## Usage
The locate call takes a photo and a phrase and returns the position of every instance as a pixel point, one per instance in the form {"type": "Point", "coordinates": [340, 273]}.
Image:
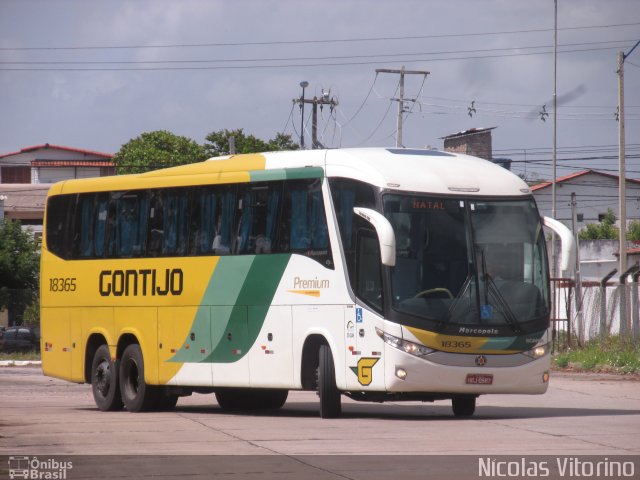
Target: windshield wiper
{"type": "Point", "coordinates": [508, 314]}
{"type": "Point", "coordinates": [491, 289]}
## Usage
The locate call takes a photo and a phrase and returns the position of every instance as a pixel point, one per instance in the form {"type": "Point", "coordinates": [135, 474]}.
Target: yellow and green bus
{"type": "Point", "coordinates": [379, 274]}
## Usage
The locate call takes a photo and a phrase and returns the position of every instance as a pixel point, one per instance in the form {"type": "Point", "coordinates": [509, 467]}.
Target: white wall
{"type": "Point", "coordinates": [594, 195]}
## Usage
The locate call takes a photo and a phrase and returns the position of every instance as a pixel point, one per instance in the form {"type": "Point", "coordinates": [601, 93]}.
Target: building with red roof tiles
{"type": "Point", "coordinates": [595, 191]}
{"type": "Point", "coordinates": [27, 174]}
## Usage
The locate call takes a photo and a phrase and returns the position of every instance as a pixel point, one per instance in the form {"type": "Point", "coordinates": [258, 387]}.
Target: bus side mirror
{"type": "Point", "coordinates": [385, 232]}
{"type": "Point", "coordinates": [568, 247]}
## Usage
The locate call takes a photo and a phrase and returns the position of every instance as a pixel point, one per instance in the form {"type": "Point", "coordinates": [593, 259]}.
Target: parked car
{"type": "Point", "coordinates": [21, 339]}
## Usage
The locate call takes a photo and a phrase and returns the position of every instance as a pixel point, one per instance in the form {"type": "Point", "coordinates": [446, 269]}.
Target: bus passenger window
{"type": "Point", "coordinates": [84, 226]}
{"type": "Point", "coordinates": [100, 227]}
{"type": "Point", "coordinates": [259, 218]}
{"type": "Point", "coordinates": [304, 225]}
{"type": "Point", "coordinates": [223, 241]}
{"type": "Point", "coordinates": [174, 226]}
{"type": "Point", "coordinates": [58, 215]}
{"type": "Point", "coordinates": [204, 204]}
{"type": "Point", "coordinates": [156, 227]}
{"type": "Point", "coordinates": [128, 224]}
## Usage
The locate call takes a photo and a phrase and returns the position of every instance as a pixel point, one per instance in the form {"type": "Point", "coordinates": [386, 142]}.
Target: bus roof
{"type": "Point", "coordinates": [403, 169]}
{"type": "Point", "coordinates": [409, 170]}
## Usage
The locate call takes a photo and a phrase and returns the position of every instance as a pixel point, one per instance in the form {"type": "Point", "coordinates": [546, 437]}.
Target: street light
{"type": "Point", "coordinates": [304, 84]}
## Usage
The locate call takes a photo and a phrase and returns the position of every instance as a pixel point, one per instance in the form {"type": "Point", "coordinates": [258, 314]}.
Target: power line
{"type": "Point", "coordinates": [289, 59]}
{"type": "Point", "coordinates": [296, 65]}
{"type": "Point", "coordinates": [298, 42]}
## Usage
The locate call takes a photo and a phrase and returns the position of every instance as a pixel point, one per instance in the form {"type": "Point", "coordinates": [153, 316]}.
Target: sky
{"type": "Point", "coordinates": [96, 74]}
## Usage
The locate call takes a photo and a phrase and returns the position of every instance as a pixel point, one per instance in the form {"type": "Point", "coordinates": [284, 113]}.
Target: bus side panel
{"type": "Point", "coordinates": [85, 322]}
{"type": "Point", "coordinates": [56, 342]}
{"type": "Point", "coordinates": [271, 356]}
{"type": "Point", "coordinates": [142, 322]}
{"type": "Point", "coordinates": [184, 344]}
{"type": "Point", "coordinates": [229, 334]}
{"type": "Point", "coordinates": [324, 320]}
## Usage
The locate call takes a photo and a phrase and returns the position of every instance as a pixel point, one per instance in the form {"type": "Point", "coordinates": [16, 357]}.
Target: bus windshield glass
{"type": "Point", "coordinates": [468, 262]}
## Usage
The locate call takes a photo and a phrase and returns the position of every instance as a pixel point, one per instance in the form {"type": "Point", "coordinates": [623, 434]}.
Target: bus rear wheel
{"type": "Point", "coordinates": [463, 406]}
{"type": "Point", "coordinates": [104, 381]}
{"type": "Point", "coordinates": [137, 396]}
{"type": "Point", "coordinates": [330, 404]}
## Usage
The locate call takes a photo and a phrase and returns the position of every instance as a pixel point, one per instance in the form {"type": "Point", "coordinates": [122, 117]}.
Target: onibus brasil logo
{"type": "Point", "coordinates": [40, 469]}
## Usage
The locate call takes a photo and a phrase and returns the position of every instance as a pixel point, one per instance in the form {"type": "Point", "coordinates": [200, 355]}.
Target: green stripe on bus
{"type": "Point", "coordinates": [286, 174]}
{"type": "Point", "coordinates": [248, 315]}
{"type": "Point", "coordinates": [234, 307]}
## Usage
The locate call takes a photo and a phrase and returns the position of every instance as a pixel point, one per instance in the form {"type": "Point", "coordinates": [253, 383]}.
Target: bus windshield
{"type": "Point", "coordinates": [468, 262]}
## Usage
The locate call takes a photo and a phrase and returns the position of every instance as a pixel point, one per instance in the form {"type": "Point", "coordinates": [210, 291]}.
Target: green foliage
{"type": "Point", "coordinates": [158, 149]}
{"type": "Point", "coordinates": [31, 316]}
{"type": "Point", "coordinates": [20, 356]}
{"type": "Point", "coordinates": [19, 266]}
{"type": "Point", "coordinates": [605, 230]}
{"type": "Point", "coordinates": [611, 354]}
{"type": "Point", "coordinates": [633, 231]}
{"type": "Point", "coordinates": [218, 143]}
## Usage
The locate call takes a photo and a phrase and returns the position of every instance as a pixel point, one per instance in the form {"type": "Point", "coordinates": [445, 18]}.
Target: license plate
{"type": "Point", "coordinates": [479, 379]}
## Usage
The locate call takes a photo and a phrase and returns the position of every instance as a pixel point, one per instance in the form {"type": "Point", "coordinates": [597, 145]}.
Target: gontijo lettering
{"type": "Point", "coordinates": [145, 282]}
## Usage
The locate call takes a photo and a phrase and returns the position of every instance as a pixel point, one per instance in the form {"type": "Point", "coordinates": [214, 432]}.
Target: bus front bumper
{"type": "Point", "coordinates": [408, 373]}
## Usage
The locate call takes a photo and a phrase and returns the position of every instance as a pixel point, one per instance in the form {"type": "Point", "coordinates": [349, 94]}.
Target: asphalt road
{"type": "Point", "coordinates": [580, 415]}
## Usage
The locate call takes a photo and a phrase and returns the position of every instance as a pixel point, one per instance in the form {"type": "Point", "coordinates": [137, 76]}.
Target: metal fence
{"type": "Point", "coordinates": [595, 309]}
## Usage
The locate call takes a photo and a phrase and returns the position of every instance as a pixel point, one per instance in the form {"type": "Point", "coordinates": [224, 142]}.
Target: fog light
{"type": "Point", "coordinates": [401, 373]}
{"type": "Point", "coordinates": [545, 377]}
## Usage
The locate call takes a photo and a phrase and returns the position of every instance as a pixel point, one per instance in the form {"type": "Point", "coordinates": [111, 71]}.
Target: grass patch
{"type": "Point", "coordinates": [32, 355]}
{"type": "Point", "coordinates": [611, 354]}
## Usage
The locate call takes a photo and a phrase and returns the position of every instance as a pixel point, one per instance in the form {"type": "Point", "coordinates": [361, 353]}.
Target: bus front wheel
{"type": "Point", "coordinates": [104, 381]}
{"type": "Point", "coordinates": [330, 406]}
{"type": "Point", "coordinates": [137, 396]}
{"type": "Point", "coordinates": [463, 406]}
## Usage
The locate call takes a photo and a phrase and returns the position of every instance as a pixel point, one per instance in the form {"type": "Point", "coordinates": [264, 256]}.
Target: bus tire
{"type": "Point", "coordinates": [330, 405]}
{"type": "Point", "coordinates": [104, 381]}
{"type": "Point", "coordinates": [463, 406]}
{"type": "Point", "coordinates": [274, 399]}
{"type": "Point", "coordinates": [137, 396]}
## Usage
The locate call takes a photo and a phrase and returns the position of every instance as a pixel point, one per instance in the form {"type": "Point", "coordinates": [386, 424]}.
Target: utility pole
{"type": "Point", "coordinates": [622, 189]}
{"type": "Point", "coordinates": [622, 181]}
{"type": "Point", "coordinates": [554, 201]}
{"type": "Point", "coordinates": [578, 290]}
{"type": "Point", "coordinates": [315, 101]}
{"type": "Point", "coordinates": [402, 72]}
{"type": "Point", "coordinates": [304, 84]}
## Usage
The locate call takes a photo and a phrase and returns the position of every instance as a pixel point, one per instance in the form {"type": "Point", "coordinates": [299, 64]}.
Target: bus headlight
{"type": "Point", "coordinates": [404, 345]}
{"type": "Point", "coordinates": [537, 352]}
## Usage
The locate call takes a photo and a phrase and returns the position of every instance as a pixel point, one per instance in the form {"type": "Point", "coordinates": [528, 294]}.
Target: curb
{"type": "Point", "coordinates": [19, 363]}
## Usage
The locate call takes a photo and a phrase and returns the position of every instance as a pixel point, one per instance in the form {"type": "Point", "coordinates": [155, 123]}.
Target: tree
{"type": "Point", "coordinates": [19, 269]}
{"type": "Point", "coordinates": [605, 230]}
{"type": "Point", "coordinates": [218, 143]}
{"type": "Point", "coordinates": [633, 231]}
{"type": "Point", "coordinates": [158, 149]}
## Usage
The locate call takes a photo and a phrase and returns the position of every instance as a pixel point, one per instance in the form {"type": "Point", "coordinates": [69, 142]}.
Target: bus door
{"type": "Point", "coordinates": [363, 344]}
